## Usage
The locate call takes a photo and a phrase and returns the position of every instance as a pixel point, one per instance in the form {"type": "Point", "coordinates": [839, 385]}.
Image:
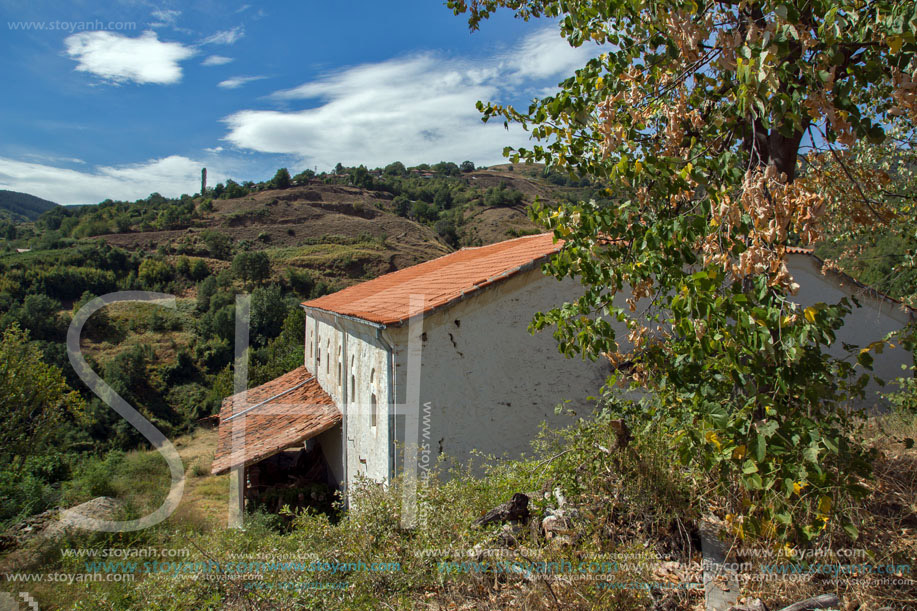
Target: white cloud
{"type": "Point", "coordinates": [215, 149]}
{"type": "Point", "coordinates": [225, 37]}
{"type": "Point", "coordinates": [216, 60]}
{"type": "Point", "coordinates": [544, 54]}
{"type": "Point", "coordinates": [164, 17]}
{"type": "Point", "coordinates": [237, 81]}
{"type": "Point", "coordinates": [415, 109]}
{"type": "Point", "coordinates": [120, 59]}
{"type": "Point", "coordinates": [171, 176]}
{"type": "Point", "coordinates": [53, 158]}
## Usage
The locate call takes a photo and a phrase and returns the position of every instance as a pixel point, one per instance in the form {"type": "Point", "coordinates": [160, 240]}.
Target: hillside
{"type": "Point", "coordinates": [342, 228]}
{"type": "Point", "coordinates": [22, 206]}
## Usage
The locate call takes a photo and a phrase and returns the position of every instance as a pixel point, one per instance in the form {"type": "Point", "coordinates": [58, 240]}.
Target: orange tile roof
{"type": "Point", "coordinates": [279, 423]}
{"type": "Point", "coordinates": [443, 281]}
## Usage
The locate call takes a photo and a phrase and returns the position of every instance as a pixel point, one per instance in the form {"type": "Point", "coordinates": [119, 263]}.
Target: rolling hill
{"type": "Point", "coordinates": [22, 206]}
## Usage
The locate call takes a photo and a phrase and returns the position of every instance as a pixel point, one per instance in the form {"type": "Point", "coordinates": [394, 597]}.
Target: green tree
{"type": "Point", "coordinates": [269, 309]}
{"type": "Point", "coordinates": [218, 244]}
{"type": "Point", "coordinates": [281, 179]}
{"type": "Point", "coordinates": [697, 114]}
{"type": "Point", "coordinates": [199, 270]}
{"type": "Point", "coordinates": [424, 212]}
{"type": "Point", "coordinates": [251, 266]}
{"type": "Point", "coordinates": [39, 315]}
{"type": "Point", "coordinates": [154, 273]}
{"type": "Point", "coordinates": [402, 205]}
{"type": "Point", "coordinates": [467, 166]}
{"type": "Point", "coordinates": [34, 400]}
{"type": "Point", "coordinates": [395, 168]}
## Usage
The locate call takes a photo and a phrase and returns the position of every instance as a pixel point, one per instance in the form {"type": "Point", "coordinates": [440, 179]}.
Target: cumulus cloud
{"type": "Point", "coordinates": [225, 37]}
{"type": "Point", "coordinates": [171, 176]}
{"type": "Point", "coordinates": [216, 60]}
{"type": "Point", "coordinates": [237, 81]}
{"type": "Point", "coordinates": [120, 59]}
{"type": "Point", "coordinates": [414, 109]}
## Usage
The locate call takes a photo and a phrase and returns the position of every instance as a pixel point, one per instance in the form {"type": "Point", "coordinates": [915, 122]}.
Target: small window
{"type": "Point", "coordinates": [372, 400]}
{"type": "Point", "coordinates": [340, 369]}
{"type": "Point", "coordinates": [328, 356]}
{"type": "Point", "coordinates": [353, 380]}
{"type": "Point", "coordinates": [318, 356]}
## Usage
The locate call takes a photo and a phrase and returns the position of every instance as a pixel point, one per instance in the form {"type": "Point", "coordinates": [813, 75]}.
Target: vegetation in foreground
{"type": "Point", "coordinates": [602, 515]}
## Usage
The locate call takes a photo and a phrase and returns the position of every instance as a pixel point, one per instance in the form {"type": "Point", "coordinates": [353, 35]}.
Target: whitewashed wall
{"type": "Point", "coordinates": [488, 382]}
{"type": "Point", "coordinates": [351, 364]}
{"type": "Point", "coordinates": [875, 317]}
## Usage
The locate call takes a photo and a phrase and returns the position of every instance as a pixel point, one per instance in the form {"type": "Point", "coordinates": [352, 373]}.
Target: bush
{"type": "Point", "coordinates": [183, 267]}
{"type": "Point", "coordinates": [95, 477]}
{"type": "Point", "coordinates": [268, 311]}
{"type": "Point", "coordinates": [251, 266]}
{"type": "Point", "coordinates": [300, 281]}
{"type": "Point", "coordinates": [154, 274]}
{"type": "Point", "coordinates": [199, 270]}
{"type": "Point", "coordinates": [219, 245]}
{"type": "Point", "coordinates": [424, 212]}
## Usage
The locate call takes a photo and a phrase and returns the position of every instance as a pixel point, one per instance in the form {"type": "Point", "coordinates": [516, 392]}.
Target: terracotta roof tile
{"type": "Point", "coordinates": [279, 423]}
{"type": "Point", "coordinates": [386, 299]}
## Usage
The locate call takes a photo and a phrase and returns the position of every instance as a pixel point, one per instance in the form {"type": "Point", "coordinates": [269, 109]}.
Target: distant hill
{"type": "Point", "coordinates": [22, 206]}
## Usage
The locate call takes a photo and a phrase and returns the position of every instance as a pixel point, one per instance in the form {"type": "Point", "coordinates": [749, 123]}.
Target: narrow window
{"type": "Point", "coordinates": [340, 369]}
{"type": "Point", "coordinates": [328, 357]}
{"type": "Point", "coordinates": [353, 381]}
{"type": "Point", "coordinates": [372, 400]}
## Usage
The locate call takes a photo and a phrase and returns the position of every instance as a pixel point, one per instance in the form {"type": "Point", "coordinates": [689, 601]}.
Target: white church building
{"type": "Point", "coordinates": [439, 354]}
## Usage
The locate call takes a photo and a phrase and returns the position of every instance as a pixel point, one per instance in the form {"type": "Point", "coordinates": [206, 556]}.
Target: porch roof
{"type": "Point", "coordinates": [272, 417]}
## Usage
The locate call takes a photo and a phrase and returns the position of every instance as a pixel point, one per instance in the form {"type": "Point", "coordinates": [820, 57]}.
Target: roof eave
{"type": "Point", "coordinates": [506, 275]}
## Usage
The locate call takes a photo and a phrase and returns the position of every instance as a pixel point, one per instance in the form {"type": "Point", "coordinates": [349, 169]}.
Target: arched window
{"type": "Point", "coordinates": [372, 400]}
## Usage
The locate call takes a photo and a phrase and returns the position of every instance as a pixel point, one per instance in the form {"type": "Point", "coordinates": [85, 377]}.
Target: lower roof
{"type": "Point", "coordinates": [272, 417]}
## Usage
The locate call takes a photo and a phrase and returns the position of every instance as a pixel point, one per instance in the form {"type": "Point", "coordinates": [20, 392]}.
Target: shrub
{"type": "Point", "coordinates": [154, 273]}
{"type": "Point", "coordinates": [251, 266]}
{"type": "Point", "coordinates": [199, 270]}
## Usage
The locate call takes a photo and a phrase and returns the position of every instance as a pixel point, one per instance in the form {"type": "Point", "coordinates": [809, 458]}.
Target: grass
{"type": "Point", "coordinates": [632, 504]}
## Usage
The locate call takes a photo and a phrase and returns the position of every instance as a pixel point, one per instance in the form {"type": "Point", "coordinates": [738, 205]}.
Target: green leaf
{"type": "Point", "coordinates": [851, 531]}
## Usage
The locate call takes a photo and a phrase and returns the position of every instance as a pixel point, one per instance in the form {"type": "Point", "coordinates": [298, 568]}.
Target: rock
{"type": "Point", "coordinates": [78, 518]}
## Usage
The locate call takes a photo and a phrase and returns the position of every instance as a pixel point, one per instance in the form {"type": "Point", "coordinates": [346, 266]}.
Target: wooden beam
{"type": "Point", "coordinates": [236, 496]}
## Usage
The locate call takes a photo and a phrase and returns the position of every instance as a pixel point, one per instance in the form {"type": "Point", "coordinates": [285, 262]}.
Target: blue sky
{"type": "Point", "coordinates": [119, 99]}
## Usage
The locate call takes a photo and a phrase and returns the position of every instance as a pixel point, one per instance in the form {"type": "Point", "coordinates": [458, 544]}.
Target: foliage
{"type": "Point", "coordinates": [251, 266]}
{"type": "Point", "coordinates": [24, 206]}
{"type": "Point", "coordinates": [154, 273]}
{"type": "Point", "coordinates": [34, 400]}
{"type": "Point", "coordinates": [268, 311]}
{"type": "Point", "coordinates": [281, 179]}
{"type": "Point", "coordinates": [218, 244]}
{"type": "Point", "coordinates": [501, 196]}
{"type": "Point", "coordinates": [696, 114]}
